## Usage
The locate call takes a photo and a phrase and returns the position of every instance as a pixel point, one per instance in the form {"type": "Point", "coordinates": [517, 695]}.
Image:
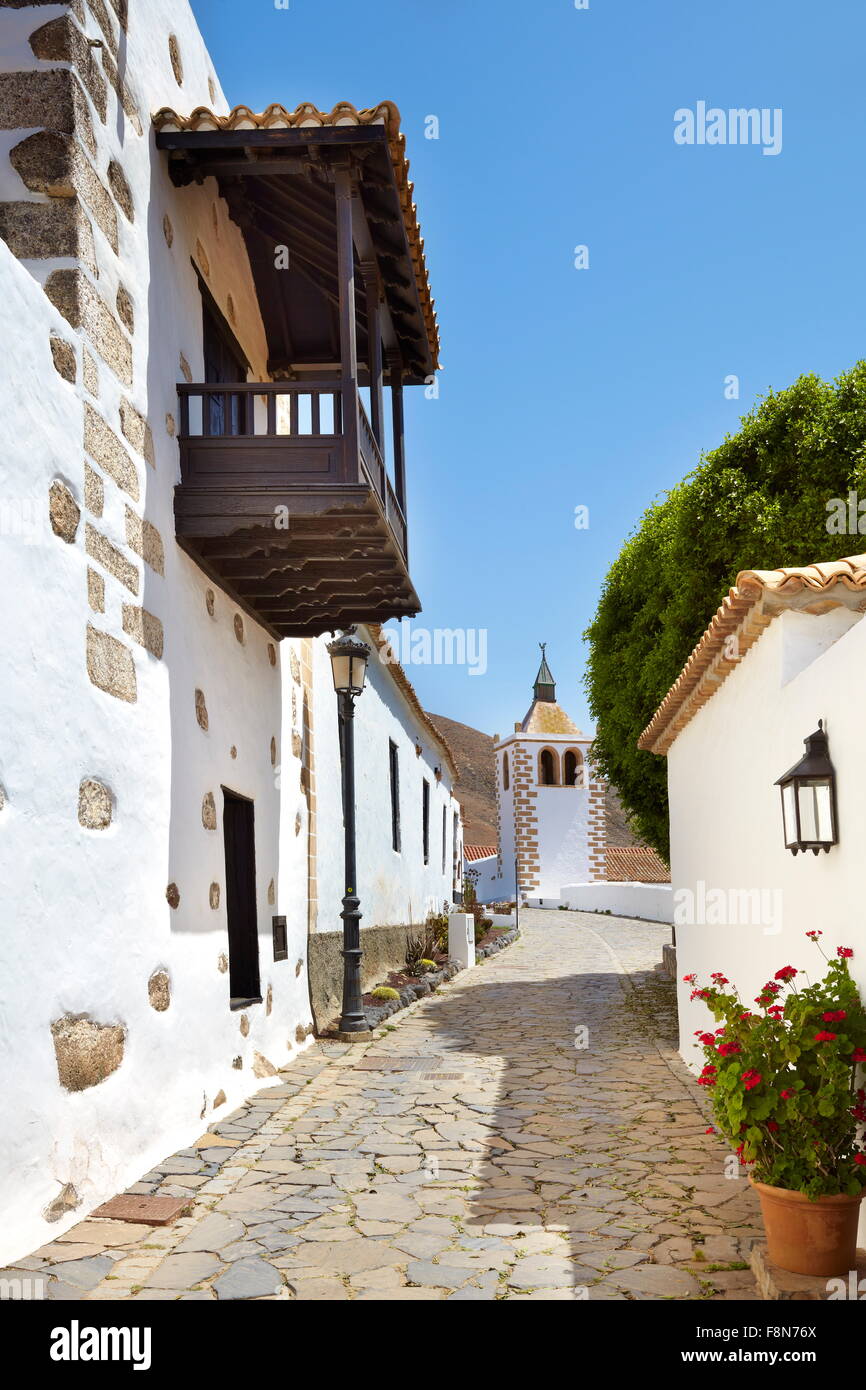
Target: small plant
{"type": "Point", "coordinates": [782, 1081]}
{"type": "Point", "coordinates": [419, 949]}
{"type": "Point", "coordinates": [437, 926]}
{"type": "Point", "coordinates": [385, 992]}
{"type": "Point", "coordinates": [427, 964]}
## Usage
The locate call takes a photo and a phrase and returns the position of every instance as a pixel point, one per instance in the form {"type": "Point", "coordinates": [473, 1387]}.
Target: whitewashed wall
{"type": "Point", "coordinates": [649, 902]}
{"type": "Point", "coordinates": [726, 820]}
{"type": "Point", "coordinates": [394, 888]}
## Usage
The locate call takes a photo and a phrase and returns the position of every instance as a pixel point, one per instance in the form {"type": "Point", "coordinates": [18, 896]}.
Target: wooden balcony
{"type": "Point", "coordinates": [285, 502]}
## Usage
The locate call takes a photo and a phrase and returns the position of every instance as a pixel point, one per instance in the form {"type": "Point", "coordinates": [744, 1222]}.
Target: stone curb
{"type": "Point", "coordinates": [428, 984]}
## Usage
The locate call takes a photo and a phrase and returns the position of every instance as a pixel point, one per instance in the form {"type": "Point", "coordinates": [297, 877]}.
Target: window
{"type": "Point", "coordinates": [223, 362]}
{"type": "Point", "coordinates": [572, 773]}
{"type": "Point", "coordinates": [394, 766]}
{"type": "Point", "coordinates": [240, 851]}
{"type": "Point", "coordinates": [547, 768]}
{"type": "Point", "coordinates": [506, 779]}
{"type": "Point", "coordinates": [444, 835]}
{"type": "Point", "coordinates": [425, 819]}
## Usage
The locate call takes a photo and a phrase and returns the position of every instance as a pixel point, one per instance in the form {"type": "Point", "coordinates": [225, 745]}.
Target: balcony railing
{"type": "Point", "coordinates": [288, 435]}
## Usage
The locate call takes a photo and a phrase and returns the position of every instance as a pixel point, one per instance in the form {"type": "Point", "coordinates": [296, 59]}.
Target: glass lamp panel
{"type": "Point", "coordinates": [342, 668]}
{"type": "Point", "coordinates": [824, 812]}
{"type": "Point", "coordinates": [808, 812]}
{"type": "Point", "coordinates": [789, 814]}
{"type": "Point", "coordinates": [359, 672]}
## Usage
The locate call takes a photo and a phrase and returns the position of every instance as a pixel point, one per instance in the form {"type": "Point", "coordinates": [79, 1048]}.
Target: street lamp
{"type": "Point", "coordinates": [809, 798]}
{"type": "Point", "coordinates": [349, 657]}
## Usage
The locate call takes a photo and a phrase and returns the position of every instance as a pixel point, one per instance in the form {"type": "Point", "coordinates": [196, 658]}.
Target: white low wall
{"type": "Point", "coordinates": [651, 902]}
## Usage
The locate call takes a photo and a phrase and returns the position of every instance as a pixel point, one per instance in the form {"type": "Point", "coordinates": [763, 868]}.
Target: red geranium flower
{"type": "Point", "coordinates": [786, 973]}
{"type": "Point", "coordinates": [845, 952]}
{"type": "Point", "coordinates": [707, 1039]}
{"type": "Point", "coordinates": [751, 1079]}
{"type": "Point", "coordinates": [813, 935]}
{"type": "Point", "coordinates": [825, 1037]}
{"type": "Point", "coordinates": [689, 979]}
{"type": "Point", "coordinates": [720, 979]}
{"type": "Point", "coordinates": [858, 1055]}
{"type": "Point", "coordinates": [729, 1049]}
{"type": "Point", "coordinates": [786, 1095]}
{"type": "Point", "coordinates": [860, 1158]}
{"type": "Point", "coordinates": [772, 1125]}
{"type": "Point", "coordinates": [834, 1016]}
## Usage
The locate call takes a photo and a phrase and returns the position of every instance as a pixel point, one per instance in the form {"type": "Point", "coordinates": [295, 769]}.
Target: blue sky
{"type": "Point", "coordinates": [599, 387]}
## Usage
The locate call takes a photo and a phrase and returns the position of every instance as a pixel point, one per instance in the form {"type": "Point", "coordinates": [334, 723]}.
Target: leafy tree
{"type": "Point", "coordinates": [758, 501]}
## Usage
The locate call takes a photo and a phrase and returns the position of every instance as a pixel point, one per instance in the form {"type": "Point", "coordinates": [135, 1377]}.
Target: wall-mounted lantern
{"type": "Point", "coordinates": [809, 798]}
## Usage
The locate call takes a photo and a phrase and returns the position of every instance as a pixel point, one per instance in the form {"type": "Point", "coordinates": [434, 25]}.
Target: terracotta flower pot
{"type": "Point", "coordinates": [818, 1237]}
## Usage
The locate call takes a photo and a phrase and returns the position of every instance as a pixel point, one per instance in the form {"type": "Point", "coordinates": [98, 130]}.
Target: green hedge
{"type": "Point", "coordinates": [758, 501]}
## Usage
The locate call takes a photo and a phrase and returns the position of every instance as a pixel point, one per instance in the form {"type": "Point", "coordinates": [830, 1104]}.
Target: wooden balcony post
{"type": "Point", "coordinates": [348, 327]}
{"type": "Point", "coordinates": [374, 329]}
{"type": "Point", "coordinates": [396, 367]}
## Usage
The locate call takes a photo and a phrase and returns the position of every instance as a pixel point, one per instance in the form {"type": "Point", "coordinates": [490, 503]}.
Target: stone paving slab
{"type": "Point", "coordinates": [474, 1150]}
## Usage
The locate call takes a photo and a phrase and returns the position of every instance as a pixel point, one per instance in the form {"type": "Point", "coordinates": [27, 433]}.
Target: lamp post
{"type": "Point", "coordinates": [349, 657]}
{"type": "Point", "coordinates": [809, 798]}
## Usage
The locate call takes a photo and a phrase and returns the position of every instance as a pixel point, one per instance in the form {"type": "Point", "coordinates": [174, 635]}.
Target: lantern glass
{"type": "Point", "coordinates": [816, 811]}
{"type": "Point", "coordinates": [789, 814]}
{"type": "Point", "coordinates": [349, 665]}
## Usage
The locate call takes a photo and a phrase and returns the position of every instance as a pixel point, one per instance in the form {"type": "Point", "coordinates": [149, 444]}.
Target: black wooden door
{"type": "Point", "coordinates": [240, 850]}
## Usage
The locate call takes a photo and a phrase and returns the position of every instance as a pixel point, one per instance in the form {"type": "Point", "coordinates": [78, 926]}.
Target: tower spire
{"type": "Point", "coordinates": [545, 686]}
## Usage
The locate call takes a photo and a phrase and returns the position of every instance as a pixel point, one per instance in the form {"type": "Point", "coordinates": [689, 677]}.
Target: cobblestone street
{"type": "Point", "coordinates": [471, 1151]}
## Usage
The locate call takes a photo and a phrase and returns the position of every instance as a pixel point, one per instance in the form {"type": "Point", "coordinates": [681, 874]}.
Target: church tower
{"type": "Point", "coordinates": [551, 805]}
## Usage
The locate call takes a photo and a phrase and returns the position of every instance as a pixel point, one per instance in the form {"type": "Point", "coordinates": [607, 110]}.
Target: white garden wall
{"type": "Point", "coordinates": [650, 902]}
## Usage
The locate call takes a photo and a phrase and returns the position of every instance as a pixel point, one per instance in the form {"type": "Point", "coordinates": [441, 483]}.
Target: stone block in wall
{"type": "Point", "coordinates": [52, 162]}
{"type": "Point", "coordinates": [104, 447]}
{"type": "Point", "coordinates": [143, 537]}
{"type": "Point", "coordinates": [65, 358]}
{"type": "Point", "coordinates": [121, 190]}
{"type": "Point", "coordinates": [144, 628]}
{"type": "Point", "coordinates": [51, 97]}
{"type": "Point", "coordinates": [43, 231]}
{"type": "Point", "coordinates": [86, 1052]}
{"type": "Point", "coordinates": [94, 805]}
{"type": "Point", "coordinates": [90, 374]}
{"type": "Point", "coordinates": [136, 429]}
{"type": "Point", "coordinates": [63, 511]}
{"type": "Point", "coordinates": [94, 491]}
{"type": "Point", "coordinates": [96, 591]}
{"type": "Point", "coordinates": [125, 308]}
{"type": "Point", "coordinates": [73, 295]}
{"type": "Point", "coordinates": [110, 665]}
{"type": "Point", "coordinates": [61, 40]}
{"type": "Point", "coordinates": [100, 548]}
{"type": "Point", "coordinates": [103, 19]}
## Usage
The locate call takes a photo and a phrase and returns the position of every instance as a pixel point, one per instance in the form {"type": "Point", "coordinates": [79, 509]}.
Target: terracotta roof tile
{"type": "Point", "coordinates": [472, 852]}
{"type": "Point", "coordinates": [276, 117]}
{"type": "Point", "coordinates": [757, 597]}
{"type": "Point", "coordinates": [635, 864]}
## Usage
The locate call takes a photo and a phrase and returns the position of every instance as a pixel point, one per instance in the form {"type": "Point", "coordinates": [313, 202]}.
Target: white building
{"type": "Point", "coordinates": [174, 555]}
{"type": "Point", "coordinates": [550, 806]}
{"type": "Point", "coordinates": [786, 649]}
